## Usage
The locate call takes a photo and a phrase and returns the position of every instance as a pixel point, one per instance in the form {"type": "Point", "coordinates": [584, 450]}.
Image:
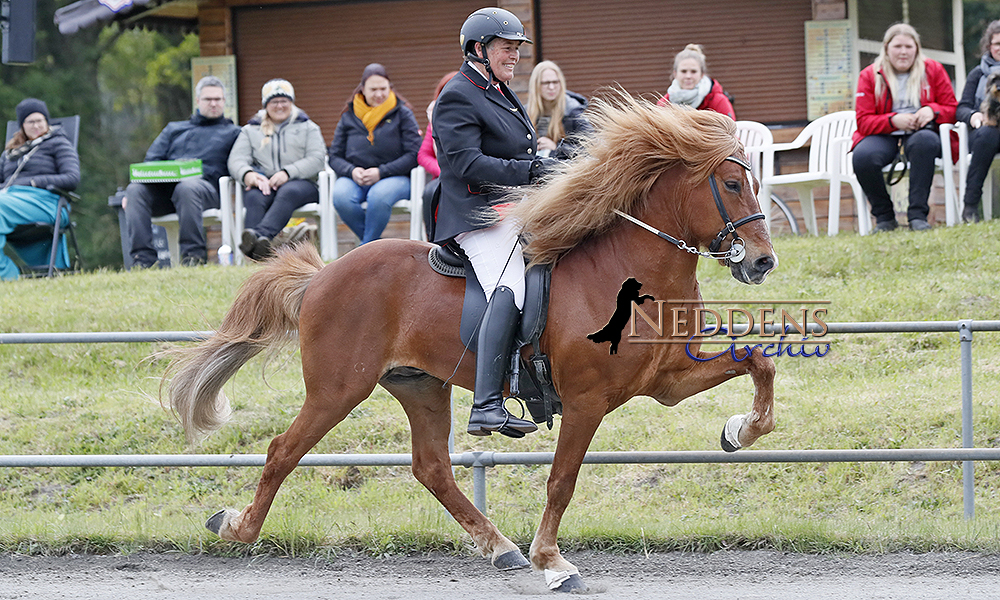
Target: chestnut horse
{"type": "Point", "coordinates": [381, 315]}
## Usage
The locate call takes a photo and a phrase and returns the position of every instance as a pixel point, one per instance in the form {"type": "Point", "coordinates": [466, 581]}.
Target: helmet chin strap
{"type": "Point", "coordinates": [483, 61]}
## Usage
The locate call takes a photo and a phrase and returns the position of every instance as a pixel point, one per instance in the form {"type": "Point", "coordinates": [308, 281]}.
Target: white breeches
{"type": "Point", "coordinates": [495, 254]}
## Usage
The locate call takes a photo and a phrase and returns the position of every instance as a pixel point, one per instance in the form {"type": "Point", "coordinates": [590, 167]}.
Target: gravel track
{"type": "Point", "coordinates": [730, 575]}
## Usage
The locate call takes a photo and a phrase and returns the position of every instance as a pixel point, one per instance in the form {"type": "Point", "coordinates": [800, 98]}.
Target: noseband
{"type": "Point", "coordinates": [737, 249]}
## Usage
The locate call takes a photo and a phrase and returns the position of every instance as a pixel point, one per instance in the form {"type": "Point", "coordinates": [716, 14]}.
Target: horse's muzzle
{"type": "Point", "coordinates": [754, 271]}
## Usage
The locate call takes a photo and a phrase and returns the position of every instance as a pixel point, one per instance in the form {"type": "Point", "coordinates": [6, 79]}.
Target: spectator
{"type": "Point", "coordinates": [427, 157]}
{"type": "Point", "coordinates": [901, 99]}
{"type": "Point", "coordinates": [556, 112]}
{"type": "Point", "coordinates": [691, 85]}
{"type": "Point", "coordinates": [277, 156]}
{"type": "Point", "coordinates": [207, 135]}
{"type": "Point", "coordinates": [984, 139]}
{"type": "Point", "coordinates": [36, 160]}
{"type": "Point", "coordinates": [373, 151]}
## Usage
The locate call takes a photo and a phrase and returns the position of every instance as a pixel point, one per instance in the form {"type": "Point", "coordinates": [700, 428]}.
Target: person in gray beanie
{"type": "Point", "coordinates": [277, 157]}
{"type": "Point", "coordinates": [37, 160]}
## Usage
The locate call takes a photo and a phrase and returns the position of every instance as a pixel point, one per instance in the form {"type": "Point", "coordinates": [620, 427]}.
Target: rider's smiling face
{"type": "Point", "coordinates": [503, 56]}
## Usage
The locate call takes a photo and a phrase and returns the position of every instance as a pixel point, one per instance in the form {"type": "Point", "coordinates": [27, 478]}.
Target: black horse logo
{"type": "Point", "coordinates": [612, 332]}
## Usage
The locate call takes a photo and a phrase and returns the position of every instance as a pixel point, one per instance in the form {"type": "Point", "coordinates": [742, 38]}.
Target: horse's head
{"type": "Point", "coordinates": [655, 166]}
{"type": "Point", "coordinates": [742, 242]}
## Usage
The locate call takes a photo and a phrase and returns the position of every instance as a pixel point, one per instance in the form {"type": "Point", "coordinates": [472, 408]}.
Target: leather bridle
{"type": "Point", "coordinates": [737, 249]}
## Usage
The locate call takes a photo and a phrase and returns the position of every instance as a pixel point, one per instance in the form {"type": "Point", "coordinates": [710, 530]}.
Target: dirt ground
{"type": "Point", "coordinates": [733, 575]}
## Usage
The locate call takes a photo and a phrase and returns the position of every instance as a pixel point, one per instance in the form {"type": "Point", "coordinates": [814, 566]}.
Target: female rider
{"type": "Point", "coordinates": [487, 143]}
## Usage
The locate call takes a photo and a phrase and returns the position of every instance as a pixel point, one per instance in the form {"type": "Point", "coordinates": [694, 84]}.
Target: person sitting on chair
{"type": "Point", "coordinates": [374, 149]}
{"type": "Point", "coordinates": [277, 156]}
{"type": "Point", "coordinates": [984, 136]}
{"type": "Point", "coordinates": [207, 135]}
{"type": "Point", "coordinates": [900, 100]}
{"type": "Point", "coordinates": [556, 112]}
{"type": "Point", "coordinates": [35, 161]}
{"type": "Point", "coordinates": [691, 85]}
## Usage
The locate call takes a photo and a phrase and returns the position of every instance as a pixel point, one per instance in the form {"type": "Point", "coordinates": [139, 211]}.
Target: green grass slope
{"type": "Point", "coordinates": [870, 391]}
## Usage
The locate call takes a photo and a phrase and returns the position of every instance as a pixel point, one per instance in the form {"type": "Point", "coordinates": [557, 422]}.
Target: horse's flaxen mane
{"type": "Point", "coordinates": [633, 143]}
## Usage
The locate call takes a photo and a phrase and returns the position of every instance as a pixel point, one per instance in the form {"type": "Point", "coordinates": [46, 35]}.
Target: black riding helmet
{"type": "Point", "coordinates": [486, 24]}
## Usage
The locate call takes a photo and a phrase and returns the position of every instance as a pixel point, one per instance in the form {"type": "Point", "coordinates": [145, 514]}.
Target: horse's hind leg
{"type": "Point", "coordinates": [427, 403]}
{"type": "Point", "coordinates": [319, 414]}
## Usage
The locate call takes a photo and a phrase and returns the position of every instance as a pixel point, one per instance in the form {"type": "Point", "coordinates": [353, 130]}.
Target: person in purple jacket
{"type": "Point", "coordinates": [36, 160]}
{"type": "Point", "coordinates": [374, 149]}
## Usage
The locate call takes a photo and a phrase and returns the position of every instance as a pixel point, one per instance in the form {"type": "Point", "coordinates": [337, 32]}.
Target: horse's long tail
{"type": "Point", "coordinates": [264, 316]}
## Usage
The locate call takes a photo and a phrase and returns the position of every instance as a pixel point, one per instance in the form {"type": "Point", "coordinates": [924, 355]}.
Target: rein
{"type": "Point", "coordinates": [737, 250]}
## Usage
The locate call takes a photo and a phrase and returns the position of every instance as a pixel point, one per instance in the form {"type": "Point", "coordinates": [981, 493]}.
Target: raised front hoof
{"type": "Point", "coordinates": [731, 434]}
{"type": "Point", "coordinates": [214, 523]}
{"type": "Point", "coordinates": [573, 585]}
{"type": "Point", "coordinates": [728, 447]}
{"type": "Point", "coordinates": [510, 561]}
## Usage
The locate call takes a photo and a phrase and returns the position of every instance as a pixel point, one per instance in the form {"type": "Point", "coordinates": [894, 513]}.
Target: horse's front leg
{"type": "Point", "coordinates": [575, 434]}
{"type": "Point", "coordinates": [712, 369]}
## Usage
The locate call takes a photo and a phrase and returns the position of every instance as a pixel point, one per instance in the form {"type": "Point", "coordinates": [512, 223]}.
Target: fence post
{"type": "Point", "coordinates": [968, 467]}
{"type": "Point", "coordinates": [480, 460]}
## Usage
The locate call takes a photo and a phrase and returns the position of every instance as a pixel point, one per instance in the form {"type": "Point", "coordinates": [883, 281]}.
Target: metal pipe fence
{"type": "Point", "coordinates": [480, 461]}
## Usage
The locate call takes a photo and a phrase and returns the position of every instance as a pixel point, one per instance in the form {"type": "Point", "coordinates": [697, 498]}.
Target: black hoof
{"type": "Point", "coordinates": [728, 447]}
{"type": "Point", "coordinates": [214, 523]}
{"type": "Point", "coordinates": [510, 561]}
{"type": "Point", "coordinates": [573, 585]}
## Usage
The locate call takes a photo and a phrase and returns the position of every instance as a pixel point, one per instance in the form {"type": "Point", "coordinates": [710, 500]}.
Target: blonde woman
{"type": "Point", "coordinates": [277, 157]}
{"type": "Point", "coordinates": [556, 112]}
{"type": "Point", "coordinates": [901, 99]}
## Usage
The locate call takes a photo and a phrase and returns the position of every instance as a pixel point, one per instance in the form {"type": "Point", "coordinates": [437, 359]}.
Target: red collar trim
{"type": "Point", "coordinates": [473, 82]}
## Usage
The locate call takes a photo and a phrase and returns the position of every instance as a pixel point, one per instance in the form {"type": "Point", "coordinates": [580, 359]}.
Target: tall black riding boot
{"type": "Point", "coordinates": [496, 337]}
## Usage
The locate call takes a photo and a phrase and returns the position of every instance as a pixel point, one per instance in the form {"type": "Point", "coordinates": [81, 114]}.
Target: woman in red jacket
{"type": "Point", "coordinates": [693, 87]}
{"type": "Point", "coordinates": [901, 99]}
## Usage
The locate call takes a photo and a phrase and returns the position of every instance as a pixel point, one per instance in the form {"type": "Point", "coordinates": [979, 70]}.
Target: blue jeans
{"type": "Point", "coordinates": [22, 204]}
{"type": "Point", "coordinates": [368, 223]}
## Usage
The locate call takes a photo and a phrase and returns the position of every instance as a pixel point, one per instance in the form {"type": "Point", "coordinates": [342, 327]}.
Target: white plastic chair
{"type": "Point", "coordinates": [829, 139]}
{"type": "Point", "coordinates": [222, 215]}
{"type": "Point", "coordinates": [758, 142]}
{"type": "Point", "coordinates": [314, 209]}
{"type": "Point", "coordinates": [964, 156]}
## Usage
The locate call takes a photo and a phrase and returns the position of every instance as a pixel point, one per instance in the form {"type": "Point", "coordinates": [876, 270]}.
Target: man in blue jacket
{"type": "Point", "coordinates": [207, 135]}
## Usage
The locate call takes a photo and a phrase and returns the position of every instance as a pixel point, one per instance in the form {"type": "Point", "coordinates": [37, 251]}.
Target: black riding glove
{"type": "Point", "coordinates": [540, 167]}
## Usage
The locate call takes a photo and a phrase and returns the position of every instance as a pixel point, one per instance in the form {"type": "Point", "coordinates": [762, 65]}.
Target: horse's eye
{"type": "Point", "coordinates": [733, 186]}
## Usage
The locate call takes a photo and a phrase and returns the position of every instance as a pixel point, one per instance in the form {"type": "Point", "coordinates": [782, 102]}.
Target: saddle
{"type": "Point", "coordinates": [531, 379]}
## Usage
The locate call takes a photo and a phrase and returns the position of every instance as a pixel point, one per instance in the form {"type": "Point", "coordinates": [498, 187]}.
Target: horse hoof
{"type": "Point", "coordinates": [731, 434]}
{"type": "Point", "coordinates": [214, 523]}
{"type": "Point", "coordinates": [726, 445]}
{"type": "Point", "coordinates": [510, 561]}
{"type": "Point", "coordinates": [573, 585]}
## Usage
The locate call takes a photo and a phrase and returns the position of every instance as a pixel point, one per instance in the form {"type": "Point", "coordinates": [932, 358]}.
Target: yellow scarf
{"type": "Point", "coordinates": [371, 116]}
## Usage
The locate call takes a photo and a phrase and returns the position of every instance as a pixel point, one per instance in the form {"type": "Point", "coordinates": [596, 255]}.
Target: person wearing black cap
{"type": "Point", "coordinates": [374, 149]}
{"type": "Point", "coordinates": [277, 157]}
{"type": "Point", "coordinates": [487, 145]}
{"type": "Point", "coordinates": [208, 136]}
{"type": "Point", "coordinates": [36, 160]}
